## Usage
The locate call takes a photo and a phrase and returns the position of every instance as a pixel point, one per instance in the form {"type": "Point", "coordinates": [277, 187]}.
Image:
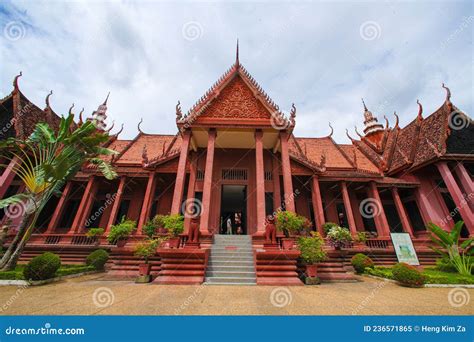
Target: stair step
{"type": "Point", "coordinates": [231, 274]}
{"type": "Point", "coordinates": [235, 280]}
{"type": "Point", "coordinates": [229, 263]}
{"type": "Point", "coordinates": [226, 268]}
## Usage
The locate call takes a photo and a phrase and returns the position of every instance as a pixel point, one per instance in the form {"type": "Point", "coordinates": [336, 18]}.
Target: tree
{"type": "Point", "coordinates": [47, 160]}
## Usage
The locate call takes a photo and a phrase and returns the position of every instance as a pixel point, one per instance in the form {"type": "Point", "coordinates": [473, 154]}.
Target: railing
{"type": "Point", "coordinates": [52, 239]}
{"type": "Point", "coordinates": [378, 243]}
{"type": "Point", "coordinates": [84, 240]}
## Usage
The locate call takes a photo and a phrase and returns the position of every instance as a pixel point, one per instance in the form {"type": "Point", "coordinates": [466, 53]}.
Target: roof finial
{"type": "Point", "coordinates": [120, 131]}
{"type": "Point", "coordinates": [347, 133]}
{"type": "Point", "coordinates": [386, 122]}
{"type": "Point", "coordinates": [357, 132]}
{"type": "Point", "coordinates": [15, 81]}
{"type": "Point", "coordinates": [139, 129]}
{"type": "Point", "coordinates": [70, 109]}
{"type": "Point", "coordinates": [397, 119]}
{"type": "Point", "coordinates": [293, 114]}
{"type": "Point", "coordinates": [105, 102]}
{"type": "Point", "coordinates": [448, 93]}
{"type": "Point", "coordinates": [420, 110]}
{"type": "Point", "coordinates": [80, 117]}
{"type": "Point", "coordinates": [47, 99]}
{"type": "Point", "coordinates": [113, 124]}
{"type": "Point", "coordinates": [237, 63]}
{"type": "Point", "coordinates": [332, 131]}
{"type": "Point", "coordinates": [179, 113]}
{"type": "Point", "coordinates": [365, 107]}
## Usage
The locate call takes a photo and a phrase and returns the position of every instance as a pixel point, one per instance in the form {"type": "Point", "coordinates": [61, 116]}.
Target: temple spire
{"type": "Point", "coordinates": [237, 63]}
{"type": "Point", "coordinates": [106, 99]}
{"type": "Point", "coordinates": [365, 107]}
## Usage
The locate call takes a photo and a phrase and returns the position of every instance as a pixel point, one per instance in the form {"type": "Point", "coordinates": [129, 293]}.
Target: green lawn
{"type": "Point", "coordinates": [433, 276]}
{"type": "Point", "coordinates": [64, 270]}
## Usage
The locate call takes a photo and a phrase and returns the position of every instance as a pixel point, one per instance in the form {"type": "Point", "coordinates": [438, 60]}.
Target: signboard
{"type": "Point", "coordinates": [404, 248]}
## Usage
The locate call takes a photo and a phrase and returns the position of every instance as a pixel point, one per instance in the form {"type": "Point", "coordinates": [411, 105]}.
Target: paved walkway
{"type": "Point", "coordinates": [92, 294]}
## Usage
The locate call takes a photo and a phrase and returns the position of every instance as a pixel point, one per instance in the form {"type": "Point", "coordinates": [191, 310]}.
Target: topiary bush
{"type": "Point", "coordinates": [407, 275]}
{"type": "Point", "coordinates": [42, 267]}
{"type": "Point", "coordinates": [97, 259]}
{"type": "Point", "coordinates": [360, 262]}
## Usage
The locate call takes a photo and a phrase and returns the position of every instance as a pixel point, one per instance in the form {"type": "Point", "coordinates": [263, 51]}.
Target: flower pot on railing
{"type": "Point", "coordinates": [312, 270]}
{"type": "Point", "coordinates": [144, 269]}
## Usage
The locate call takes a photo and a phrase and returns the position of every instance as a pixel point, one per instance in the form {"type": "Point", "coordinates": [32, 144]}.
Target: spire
{"type": "Point", "coordinates": [370, 122]}
{"type": "Point", "coordinates": [237, 63]}
{"type": "Point", "coordinates": [100, 115]}
{"type": "Point", "coordinates": [105, 102]}
{"type": "Point", "coordinates": [365, 107]}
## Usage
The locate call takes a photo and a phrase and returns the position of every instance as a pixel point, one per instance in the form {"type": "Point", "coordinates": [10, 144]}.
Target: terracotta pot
{"type": "Point", "coordinates": [173, 242]}
{"type": "Point", "coordinates": [144, 269]}
{"type": "Point", "coordinates": [162, 230]}
{"type": "Point", "coordinates": [121, 242]}
{"type": "Point", "coordinates": [312, 270]}
{"type": "Point", "coordinates": [287, 243]}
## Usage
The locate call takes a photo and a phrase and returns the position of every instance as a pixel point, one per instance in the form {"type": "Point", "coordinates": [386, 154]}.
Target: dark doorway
{"type": "Point", "coordinates": [234, 207]}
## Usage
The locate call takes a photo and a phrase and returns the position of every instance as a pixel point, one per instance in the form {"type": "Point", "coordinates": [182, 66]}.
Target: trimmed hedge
{"type": "Point", "coordinates": [42, 267]}
{"type": "Point", "coordinates": [407, 275]}
{"type": "Point", "coordinates": [97, 259]}
{"type": "Point", "coordinates": [360, 262]}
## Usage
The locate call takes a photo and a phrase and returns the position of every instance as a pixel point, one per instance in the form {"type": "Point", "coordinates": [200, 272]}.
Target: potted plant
{"type": "Point", "coordinates": [360, 238]}
{"type": "Point", "coordinates": [145, 250]}
{"type": "Point", "coordinates": [339, 237]}
{"type": "Point", "coordinates": [120, 232]}
{"type": "Point", "coordinates": [95, 233]}
{"type": "Point", "coordinates": [289, 223]}
{"type": "Point", "coordinates": [327, 227]}
{"type": "Point", "coordinates": [159, 223]}
{"type": "Point", "coordinates": [174, 224]}
{"type": "Point", "coordinates": [312, 253]}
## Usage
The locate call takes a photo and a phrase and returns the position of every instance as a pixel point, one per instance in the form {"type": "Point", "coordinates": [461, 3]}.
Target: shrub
{"type": "Point", "coordinates": [149, 228]}
{"type": "Point", "coordinates": [339, 237]}
{"type": "Point", "coordinates": [93, 232]}
{"type": "Point", "coordinates": [360, 262]}
{"type": "Point", "coordinates": [146, 249]}
{"type": "Point", "coordinates": [121, 231]}
{"type": "Point", "coordinates": [42, 267]}
{"type": "Point", "coordinates": [311, 248]}
{"type": "Point", "coordinates": [327, 227]}
{"type": "Point", "coordinates": [174, 224]}
{"type": "Point", "coordinates": [361, 237]}
{"type": "Point", "coordinates": [97, 258]}
{"type": "Point", "coordinates": [289, 222]}
{"type": "Point", "coordinates": [407, 275]}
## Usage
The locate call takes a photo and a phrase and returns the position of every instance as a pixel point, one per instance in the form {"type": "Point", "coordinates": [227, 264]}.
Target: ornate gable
{"type": "Point", "coordinates": [235, 101]}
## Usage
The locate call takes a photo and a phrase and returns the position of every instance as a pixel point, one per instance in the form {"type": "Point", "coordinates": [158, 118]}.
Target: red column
{"type": "Point", "coordinates": [147, 200]}
{"type": "Point", "coordinates": [381, 222]}
{"type": "Point", "coordinates": [456, 194]}
{"type": "Point", "coordinates": [207, 186]}
{"type": "Point", "coordinates": [401, 212]}
{"type": "Point", "coordinates": [181, 174]}
{"type": "Point", "coordinates": [191, 190]}
{"type": "Point", "coordinates": [7, 177]}
{"type": "Point", "coordinates": [286, 169]}
{"type": "Point", "coordinates": [466, 182]}
{"type": "Point", "coordinates": [79, 219]}
{"type": "Point", "coordinates": [59, 209]}
{"type": "Point", "coordinates": [276, 183]}
{"type": "Point", "coordinates": [317, 205]}
{"type": "Point", "coordinates": [260, 181]}
{"type": "Point", "coordinates": [355, 203]}
{"type": "Point", "coordinates": [348, 208]}
{"type": "Point", "coordinates": [116, 204]}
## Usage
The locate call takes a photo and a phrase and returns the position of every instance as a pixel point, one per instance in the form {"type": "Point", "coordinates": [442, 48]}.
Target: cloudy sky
{"type": "Point", "coordinates": [322, 56]}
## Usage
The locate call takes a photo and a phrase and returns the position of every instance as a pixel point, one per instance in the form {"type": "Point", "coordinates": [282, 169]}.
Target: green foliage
{"type": "Point", "coordinates": [121, 231]}
{"type": "Point", "coordinates": [378, 271]}
{"type": "Point", "coordinates": [431, 275]}
{"type": "Point", "coordinates": [361, 237]}
{"type": "Point", "coordinates": [289, 222]}
{"type": "Point", "coordinates": [150, 227]}
{"type": "Point", "coordinates": [445, 265]}
{"type": "Point", "coordinates": [450, 247]}
{"type": "Point", "coordinates": [146, 249]}
{"type": "Point", "coordinates": [339, 237]}
{"type": "Point", "coordinates": [360, 262]}
{"type": "Point", "coordinates": [97, 259]}
{"type": "Point", "coordinates": [311, 248]}
{"type": "Point", "coordinates": [327, 227]}
{"type": "Point", "coordinates": [92, 232]}
{"type": "Point", "coordinates": [42, 267]}
{"type": "Point", "coordinates": [407, 275]}
{"type": "Point", "coordinates": [174, 224]}
{"type": "Point", "coordinates": [64, 270]}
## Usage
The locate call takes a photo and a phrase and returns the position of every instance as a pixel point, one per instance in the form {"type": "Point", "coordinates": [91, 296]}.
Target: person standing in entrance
{"type": "Point", "coordinates": [229, 226]}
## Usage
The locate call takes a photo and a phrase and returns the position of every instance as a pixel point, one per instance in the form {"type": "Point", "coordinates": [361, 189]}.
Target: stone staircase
{"type": "Point", "coordinates": [231, 261]}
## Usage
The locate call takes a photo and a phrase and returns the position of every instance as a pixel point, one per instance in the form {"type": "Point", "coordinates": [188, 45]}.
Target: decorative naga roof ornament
{"type": "Point", "coordinates": [70, 109]}
{"type": "Point", "coordinates": [48, 107]}
{"type": "Point", "coordinates": [108, 130]}
{"type": "Point", "coordinates": [179, 113]}
{"type": "Point", "coordinates": [120, 131]}
{"type": "Point", "coordinates": [15, 82]}
{"type": "Point", "coordinates": [397, 121]}
{"type": "Point", "coordinates": [387, 124]}
{"type": "Point", "coordinates": [357, 132]}
{"type": "Point", "coordinates": [370, 122]}
{"type": "Point", "coordinates": [420, 111]}
{"type": "Point", "coordinates": [347, 133]}
{"type": "Point", "coordinates": [293, 114]}
{"type": "Point", "coordinates": [139, 128]}
{"type": "Point", "coordinates": [332, 131]}
{"type": "Point", "coordinates": [448, 97]}
{"type": "Point", "coordinates": [80, 117]}
{"type": "Point", "coordinates": [100, 115]}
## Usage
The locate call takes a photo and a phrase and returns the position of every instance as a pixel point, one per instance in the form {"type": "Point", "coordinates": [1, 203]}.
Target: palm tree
{"type": "Point", "coordinates": [48, 160]}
